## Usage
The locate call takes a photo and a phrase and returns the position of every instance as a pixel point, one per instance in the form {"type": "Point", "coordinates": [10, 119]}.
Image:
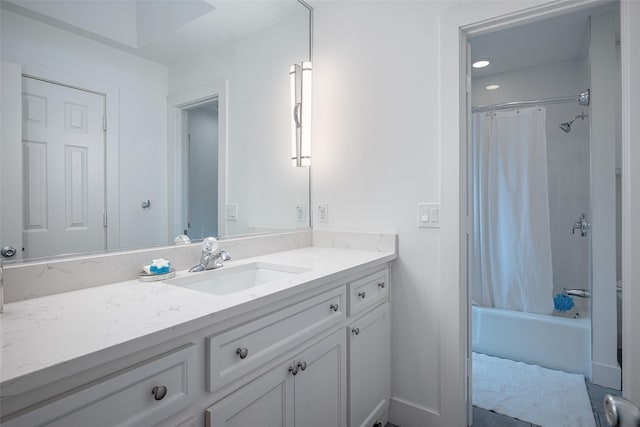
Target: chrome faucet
{"type": "Point", "coordinates": [210, 256]}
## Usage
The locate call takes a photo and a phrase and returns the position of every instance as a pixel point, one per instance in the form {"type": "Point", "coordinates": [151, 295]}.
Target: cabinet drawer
{"type": "Point", "coordinates": [126, 399]}
{"type": "Point", "coordinates": [366, 292]}
{"type": "Point", "coordinates": [243, 349]}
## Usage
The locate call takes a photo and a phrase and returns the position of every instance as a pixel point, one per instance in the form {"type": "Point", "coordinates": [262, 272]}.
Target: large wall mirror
{"type": "Point", "coordinates": [128, 122]}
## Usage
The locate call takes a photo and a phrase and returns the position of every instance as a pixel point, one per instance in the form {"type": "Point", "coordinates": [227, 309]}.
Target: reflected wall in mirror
{"type": "Point", "coordinates": [126, 123]}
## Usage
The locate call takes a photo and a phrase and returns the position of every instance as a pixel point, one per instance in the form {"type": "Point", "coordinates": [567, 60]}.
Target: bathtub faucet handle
{"type": "Point", "coordinates": [582, 224]}
{"type": "Point", "coordinates": [582, 293]}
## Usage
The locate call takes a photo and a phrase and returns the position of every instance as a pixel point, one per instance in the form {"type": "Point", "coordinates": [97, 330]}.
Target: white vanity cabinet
{"type": "Point", "coordinates": [307, 390]}
{"type": "Point", "coordinates": [369, 349]}
{"type": "Point", "coordinates": [313, 356]}
{"type": "Point", "coordinates": [340, 380]}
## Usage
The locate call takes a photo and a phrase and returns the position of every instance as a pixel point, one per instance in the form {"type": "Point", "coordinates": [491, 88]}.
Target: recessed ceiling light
{"type": "Point", "coordinates": [481, 63]}
{"type": "Point", "coordinates": [492, 87]}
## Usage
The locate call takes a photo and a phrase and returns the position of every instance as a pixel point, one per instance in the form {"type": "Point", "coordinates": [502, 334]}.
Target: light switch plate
{"type": "Point", "coordinates": [428, 215]}
{"type": "Point", "coordinates": [231, 211]}
{"type": "Point", "coordinates": [322, 212]}
{"type": "Point", "coordinates": [301, 212]}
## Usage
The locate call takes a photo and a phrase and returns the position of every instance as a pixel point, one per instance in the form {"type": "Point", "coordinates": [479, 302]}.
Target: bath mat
{"type": "Point", "coordinates": [531, 393]}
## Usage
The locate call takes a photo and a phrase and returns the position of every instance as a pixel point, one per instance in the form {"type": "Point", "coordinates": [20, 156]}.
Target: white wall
{"type": "Point", "coordinates": [383, 141]}
{"type": "Point", "coordinates": [568, 161]}
{"type": "Point", "coordinates": [141, 87]}
{"type": "Point", "coordinates": [376, 155]}
{"type": "Point", "coordinates": [260, 178]}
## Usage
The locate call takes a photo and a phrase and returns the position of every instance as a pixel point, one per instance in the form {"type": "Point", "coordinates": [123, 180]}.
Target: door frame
{"type": "Point", "coordinates": [457, 25]}
{"type": "Point", "coordinates": [112, 142]}
{"type": "Point", "coordinates": [177, 158]}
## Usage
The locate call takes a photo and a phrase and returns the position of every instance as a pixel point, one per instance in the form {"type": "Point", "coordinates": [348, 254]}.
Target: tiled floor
{"type": "Point", "coordinates": [484, 418]}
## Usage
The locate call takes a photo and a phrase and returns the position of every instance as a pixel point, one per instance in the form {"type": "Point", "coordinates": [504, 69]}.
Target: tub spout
{"type": "Point", "coordinates": [582, 293]}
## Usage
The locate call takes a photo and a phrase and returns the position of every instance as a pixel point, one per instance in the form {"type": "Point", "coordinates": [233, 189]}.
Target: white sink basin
{"type": "Point", "coordinates": [227, 280]}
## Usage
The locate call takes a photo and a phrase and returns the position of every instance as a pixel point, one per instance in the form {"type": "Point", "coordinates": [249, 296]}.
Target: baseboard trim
{"type": "Point", "coordinates": [408, 414]}
{"type": "Point", "coordinates": [606, 375]}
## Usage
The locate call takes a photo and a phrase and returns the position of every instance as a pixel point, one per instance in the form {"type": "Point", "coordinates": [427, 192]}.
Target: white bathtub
{"type": "Point", "coordinates": [549, 341]}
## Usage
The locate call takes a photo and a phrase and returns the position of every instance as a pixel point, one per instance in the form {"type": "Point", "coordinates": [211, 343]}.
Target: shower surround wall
{"type": "Point", "coordinates": [567, 157]}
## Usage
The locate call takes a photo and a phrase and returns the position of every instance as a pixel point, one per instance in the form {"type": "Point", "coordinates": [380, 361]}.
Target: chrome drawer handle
{"type": "Point", "coordinates": [159, 392]}
{"type": "Point", "coordinates": [334, 307]}
{"type": "Point", "coordinates": [381, 285]}
{"type": "Point", "coordinates": [362, 295]}
{"type": "Point", "coordinates": [242, 352]}
{"type": "Point", "coordinates": [356, 331]}
{"type": "Point", "coordinates": [302, 365]}
{"type": "Point", "coordinates": [294, 369]}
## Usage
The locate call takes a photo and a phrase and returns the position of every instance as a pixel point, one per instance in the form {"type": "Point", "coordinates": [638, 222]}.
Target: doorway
{"type": "Point", "coordinates": [570, 280]}
{"type": "Point", "coordinates": [201, 144]}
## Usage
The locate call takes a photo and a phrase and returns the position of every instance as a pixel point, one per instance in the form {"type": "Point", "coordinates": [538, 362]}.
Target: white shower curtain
{"type": "Point", "coordinates": [511, 228]}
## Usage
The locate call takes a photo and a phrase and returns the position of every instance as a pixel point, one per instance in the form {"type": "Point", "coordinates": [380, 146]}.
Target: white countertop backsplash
{"type": "Point", "coordinates": [42, 337]}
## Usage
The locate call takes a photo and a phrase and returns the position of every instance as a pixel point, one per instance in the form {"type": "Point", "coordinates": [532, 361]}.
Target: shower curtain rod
{"type": "Point", "coordinates": [516, 104]}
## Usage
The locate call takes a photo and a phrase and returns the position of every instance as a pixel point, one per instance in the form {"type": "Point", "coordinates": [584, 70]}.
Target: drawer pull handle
{"type": "Point", "coordinates": [159, 392]}
{"type": "Point", "coordinates": [362, 295]}
{"type": "Point", "coordinates": [294, 369]}
{"type": "Point", "coordinates": [334, 307]}
{"type": "Point", "coordinates": [242, 352]}
{"type": "Point", "coordinates": [302, 365]}
{"type": "Point", "coordinates": [381, 285]}
{"type": "Point", "coordinates": [356, 331]}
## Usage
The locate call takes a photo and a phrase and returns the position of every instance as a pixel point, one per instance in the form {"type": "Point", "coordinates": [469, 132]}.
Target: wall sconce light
{"type": "Point", "coordinates": [300, 81]}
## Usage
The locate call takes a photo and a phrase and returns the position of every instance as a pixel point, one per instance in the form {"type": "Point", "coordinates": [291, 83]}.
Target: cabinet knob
{"type": "Point", "coordinates": [294, 369]}
{"type": "Point", "coordinates": [378, 424]}
{"type": "Point", "coordinates": [362, 295]}
{"type": "Point", "coordinates": [334, 307]}
{"type": "Point", "coordinates": [302, 365]}
{"type": "Point", "coordinates": [159, 392]}
{"type": "Point", "coordinates": [242, 352]}
{"type": "Point", "coordinates": [381, 285]}
{"type": "Point", "coordinates": [355, 331]}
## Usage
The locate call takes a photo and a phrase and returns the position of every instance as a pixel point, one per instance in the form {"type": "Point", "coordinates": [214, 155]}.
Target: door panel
{"type": "Point", "coordinates": [63, 169]}
{"type": "Point", "coordinates": [369, 365]}
{"type": "Point", "coordinates": [266, 402]}
{"type": "Point", "coordinates": [320, 389]}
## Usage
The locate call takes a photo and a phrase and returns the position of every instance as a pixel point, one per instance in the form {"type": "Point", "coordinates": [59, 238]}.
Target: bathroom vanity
{"type": "Point", "coordinates": [310, 347]}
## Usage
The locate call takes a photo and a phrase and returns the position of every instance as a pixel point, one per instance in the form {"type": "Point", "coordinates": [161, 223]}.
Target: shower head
{"type": "Point", "coordinates": [567, 125]}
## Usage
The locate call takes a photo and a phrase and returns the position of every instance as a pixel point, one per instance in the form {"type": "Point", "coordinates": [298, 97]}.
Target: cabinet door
{"type": "Point", "coordinates": [321, 388]}
{"type": "Point", "coordinates": [369, 367]}
{"type": "Point", "coordinates": [265, 402]}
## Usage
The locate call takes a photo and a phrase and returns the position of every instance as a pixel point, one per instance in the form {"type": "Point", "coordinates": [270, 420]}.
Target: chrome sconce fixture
{"type": "Point", "coordinates": [300, 81]}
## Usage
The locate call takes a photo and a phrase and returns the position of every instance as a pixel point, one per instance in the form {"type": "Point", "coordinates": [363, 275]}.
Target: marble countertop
{"type": "Point", "coordinates": [42, 337]}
